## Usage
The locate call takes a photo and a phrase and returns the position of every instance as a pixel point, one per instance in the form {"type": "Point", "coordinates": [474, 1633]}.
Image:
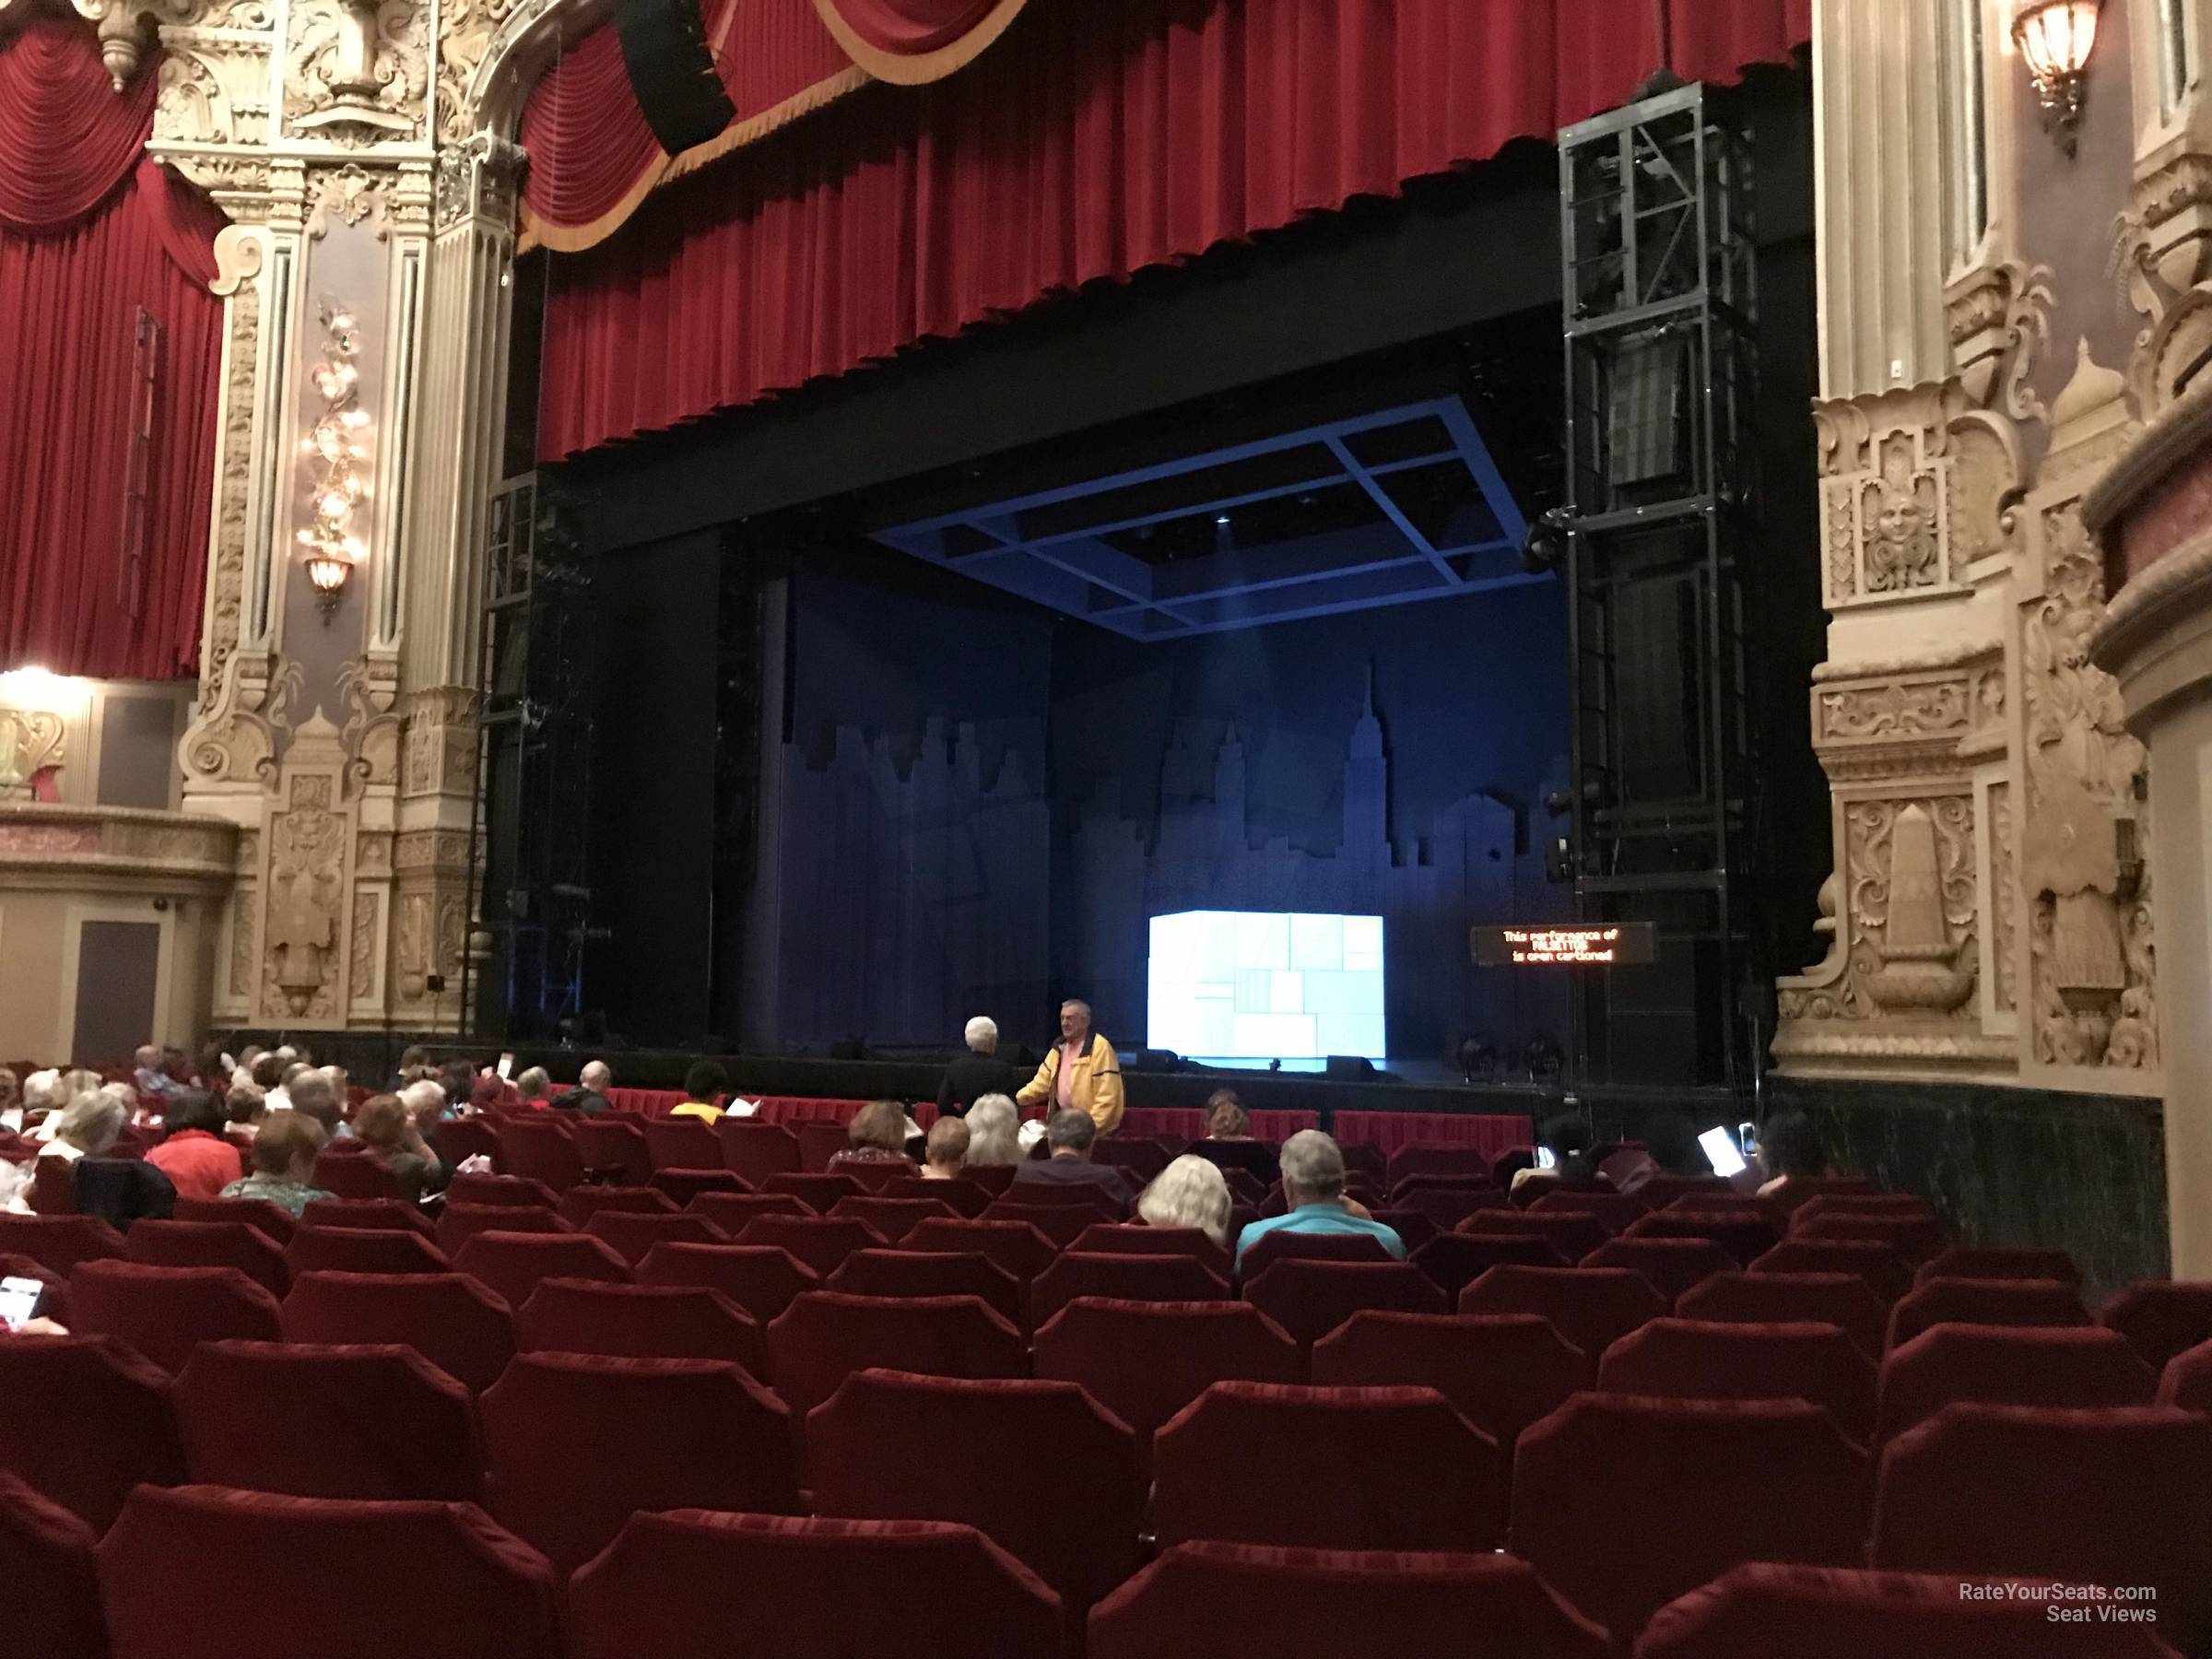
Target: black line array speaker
{"type": "Point", "coordinates": [672, 71]}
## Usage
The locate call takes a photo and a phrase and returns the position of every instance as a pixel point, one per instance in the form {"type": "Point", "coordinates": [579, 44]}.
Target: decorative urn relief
{"type": "Point", "coordinates": [1919, 972]}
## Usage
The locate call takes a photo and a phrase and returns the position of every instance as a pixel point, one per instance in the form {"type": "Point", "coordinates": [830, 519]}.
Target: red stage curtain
{"type": "Point", "coordinates": [70, 293]}
{"type": "Point", "coordinates": [1095, 140]}
{"type": "Point", "coordinates": [1489, 1133]}
{"type": "Point", "coordinates": [908, 25]}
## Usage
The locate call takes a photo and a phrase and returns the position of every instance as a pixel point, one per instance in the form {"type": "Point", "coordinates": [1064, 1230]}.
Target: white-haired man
{"type": "Point", "coordinates": [1082, 1074]}
{"type": "Point", "coordinates": [588, 1099]}
{"type": "Point", "coordinates": [1313, 1191]}
{"type": "Point", "coordinates": [977, 1071]}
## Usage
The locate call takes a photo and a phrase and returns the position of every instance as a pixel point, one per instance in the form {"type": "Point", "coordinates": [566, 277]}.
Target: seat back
{"type": "Point", "coordinates": [631, 1233]}
{"type": "Point", "coordinates": [2187, 1379]}
{"type": "Point", "coordinates": [1178, 1279]}
{"type": "Point", "coordinates": [676, 1585]}
{"type": "Point", "coordinates": [1617, 1211]}
{"type": "Point", "coordinates": [1801, 1190]}
{"type": "Point", "coordinates": [575, 1444]}
{"type": "Point", "coordinates": [1145, 1362]}
{"type": "Point", "coordinates": [756, 1150]}
{"type": "Point", "coordinates": [211, 1245]}
{"type": "Point", "coordinates": [1700, 1360]}
{"type": "Point", "coordinates": [60, 1242]}
{"type": "Point", "coordinates": [542, 1148]}
{"type": "Point", "coordinates": [1016, 1246]}
{"type": "Point", "coordinates": [1573, 1233]}
{"type": "Point", "coordinates": [1962, 1261]}
{"type": "Point", "coordinates": [458, 1223]}
{"type": "Point", "coordinates": [1501, 1372]}
{"type": "Point", "coordinates": [272, 1220]}
{"type": "Point", "coordinates": [760, 1278]}
{"type": "Point", "coordinates": [1983, 1301]}
{"type": "Point", "coordinates": [962, 1197]}
{"type": "Point", "coordinates": [612, 1146]}
{"type": "Point", "coordinates": [1994, 1365]}
{"type": "Point", "coordinates": [642, 1322]}
{"type": "Point", "coordinates": [682, 1143]}
{"type": "Point", "coordinates": [931, 1272]}
{"type": "Point", "coordinates": [378, 1213]}
{"type": "Point", "coordinates": [1071, 1513]}
{"type": "Point", "coordinates": [448, 1318]}
{"type": "Point", "coordinates": [1447, 1208]}
{"type": "Point", "coordinates": [822, 1242]}
{"type": "Point", "coordinates": [1599, 1509]}
{"type": "Point", "coordinates": [1310, 1298]}
{"type": "Point", "coordinates": [732, 1212]}
{"type": "Point", "coordinates": [1414, 1228]}
{"type": "Point", "coordinates": [994, 1179]}
{"type": "Point", "coordinates": [818, 1143]}
{"type": "Point", "coordinates": [1885, 1273]}
{"type": "Point", "coordinates": [454, 1139]}
{"type": "Point", "coordinates": [2108, 1497]}
{"type": "Point", "coordinates": [1916, 1238]}
{"type": "Point", "coordinates": [1674, 1265]}
{"type": "Point", "coordinates": [681, 1186]}
{"type": "Point", "coordinates": [1744, 1234]}
{"type": "Point", "coordinates": [47, 1561]}
{"type": "Point", "coordinates": [819, 1191]}
{"type": "Point", "coordinates": [1281, 1244]}
{"type": "Point", "coordinates": [2159, 1318]}
{"type": "Point", "coordinates": [1663, 1190]}
{"type": "Point", "coordinates": [1591, 1307]}
{"type": "Point", "coordinates": [363, 1250]}
{"type": "Point", "coordinates": [1063, 1224]}
{"type": "Point", "coordinates": [387, 1423]}
{"type": "Point", "coordinates": [513, 1265]}
{"type": "Point", "coordinates": [516, 1192]}
{"type": "Point", "coordinates": [432, 1581]}
{"type": "Point", "coordinates": [1456, 1260]}
{"type": "Point", "coordinates": [354, 1175]}
{"type": "Point", "coordinates": [579, 1205]}
{"type": "Point", "coordinates": [1140, 1160]}
{"type": "Point", "coordinates": [1134, 1238]}
{"type": "Point", "coordinates": [1837, 1298]}
{"type": "Point", "coordinates": [893, 1218]}
{"type": "Point", "coordinates": [1427, 1478]}
{"type": "Point", "coordinates": [165, 1312]}
{"type": "Point", "coordinates": [1868, 1203]}
{"type": "Point", "coordinates": [94, 1381]}
{"type": "Point", "coordinates": [825, 1336]}
{"type": "Point", "coordinates": [1423, 1158]}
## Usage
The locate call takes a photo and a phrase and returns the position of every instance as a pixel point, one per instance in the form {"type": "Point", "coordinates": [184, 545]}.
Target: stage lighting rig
{"type": "Point", "coordinates": [1544, 548]}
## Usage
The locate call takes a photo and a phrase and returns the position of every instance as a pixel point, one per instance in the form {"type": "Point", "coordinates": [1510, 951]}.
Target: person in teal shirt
{"type": "Point", "coordinates": [1313, 1188]}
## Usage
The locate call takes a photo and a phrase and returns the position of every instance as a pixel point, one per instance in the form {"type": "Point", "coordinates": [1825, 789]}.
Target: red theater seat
{"type": "Point", "coordinates": [1145, 1362]}
{"type": "Point", "coordinates": [1447, 1208]}
{"type": "Point", "coordinates": [1885, 1273]}
{"type": "Point", "coordinates": [1744, 1234]}
{"type": "Point", "coordinates": [1964, 1262]}
{"type": "Point", "coordinates": [734, 1212]}
{"type": "Point", "coordinates": [128, 1433]}
{"type": "Point", "coordinates": [1623, 1504]}
{"type": "Point", "coordinates": [456, 1139]}
{"type": "Point", "coordinates": [1663, 1190]}
{"type": "Point", "coordinates": [53, 1302]}
{"type": "Point", "coordinates": [1423, 1160]}
{"type": "Point", "coordinates": [363, 1250]}
{"type": "Point", "coordinates": [682, 1186]}
{"type": "Point", "coordinates": [818, 1143]}
{"type": "Point", "coordinates": [1071, 1513]}
{"type": "Point", "coordinates": [1995, 1365]}
{"type": "Point", "coordinates": [1501, 1372]}
{"type": "Point", "coordinates": [1249, 1599]}
{"type": "Point", "coordinates": [1674, 1265]}
{"type": "Point", "coordinates": [575, 1444]}
{"type": "Point", "coordinates": [1015, 1246]}
{"type": "Point", "coordinates": [580, 1203]}
{"type": "Point", "coordinates": [449, 1319]}
{"type": "Point", "coordinates": [377, 1213]}
{"type": "Point", "coordinates": [961, 1197]}
{"type": "Point", "coordinates": [631, 1233]}
{"type": "Point", "coordinates": [1572, 1234]}
{"type": "Point", "coordinates": [1837, 1298]}
{"type": "Point", "coordinates": [1414, 1230]}
{"type": "Point", "coordinates": [1916, 1238]}
{"type": "Point", "coordinates": [52, 1580]}
{"type": "Point", "coordinates": [760, 1278]}
{"type": "Point", "coordinates": [929, 1273]}
{"type": "Point", "coordinates": [1134, 1238]}
{"type": "Point", "coordinates": [683, 1143]}
{"type": "Point", "coordinates": [755, 1150]}
{"type": "Point", "coordinates": [1456, 1260]}
{"type": "Point", "coordinates": [694, 1585]}
{"type": "Point", "coordinates": [1589, 1306]}
{"type": "Point", "coordinates": [1308, 1299]}
{"type": "Point", "coordinates": [164, 1313]}
{"type": "Point", "coordinates": [1801, 1190]}
{"type": "Point", "coordinates": [354, 1174]}
{"type": "Point", "coordinates": [1053, 1195]}
{"type": "Point", "coordinates": [2160, 1319]}
{"type": "Point", "coordinates": [1616, 1211]}
{"type": "Point", "coordinates": [1177, 1279]}
{"type": "Point", "coordinates": [1282, 1246]}
{"type": "Point", "coordinates": [1764, 1611]}
{"type": "Point", "coordinates": [513, 1190]}
{"type": "Point", "coordinates": [2187, 1379]}
{"type": "Point", "coordinates": [1984, 1302]}
{"type": "Point", "coordinates": [893, 1218]}
{"type": "Point", "coordinates": [819, 1192]}
{"type": "Point", "coordinates": [461, 1222]}
{"type": "Point", "coordinates": [822, 1242]}
{"type": "Point", "coordinates": [274, 1220]}
{"type": "Point", "coordinates": [640, 1321]}
{"type": "Point", "coordinates": [211, 1245]}
{"type": "Point", "coordinates": [1063, 1224]}
{"type": "Point", "coordinates": [825, 1336]}
{"type": "Point", "coordinates": [2113, 1497]}
{"type": "Point", "coordinates": [59, 1243]}
{"type": "Point", "coordinates": [207, 1573]}
{"type": "Point", "coordinates": [1695, 1359]}
{"type": "Point", "coordinates": [1869, 1203]}
{"type": "Point", "coordinates": [513, 1265]}
{"type": "Point", "coordinates": [994, 1179]}
{"type": "Point", "coordinates": [1225, 1468]}
{"type": "Point", "coordinates": [541, 1148]}
{"type": "Point", "coordinates": [384, 1422]}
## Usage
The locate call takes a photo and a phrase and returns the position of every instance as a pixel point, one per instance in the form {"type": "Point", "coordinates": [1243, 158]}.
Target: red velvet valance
{"type": "Point", "coordinates": [1095, 139]}
{"type": "Point", "coordinates": [67, 138]}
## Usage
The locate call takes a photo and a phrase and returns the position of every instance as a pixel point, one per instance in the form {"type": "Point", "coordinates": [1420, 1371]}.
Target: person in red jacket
{"type": "Point", "coordinates": [199, 1158]}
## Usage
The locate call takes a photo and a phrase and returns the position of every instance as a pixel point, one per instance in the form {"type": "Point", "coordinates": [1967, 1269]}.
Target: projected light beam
{"type": "Point", "coordinates": [1238, 986]}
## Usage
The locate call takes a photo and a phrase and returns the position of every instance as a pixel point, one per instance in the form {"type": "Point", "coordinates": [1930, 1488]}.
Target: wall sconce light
{"type": "Point", "coordinates": [2055, 38]}
{"type": "Point", "coordinates": [337, 451]}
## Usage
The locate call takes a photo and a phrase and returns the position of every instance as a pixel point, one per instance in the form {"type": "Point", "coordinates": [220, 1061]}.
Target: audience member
{"type": "Point", "coordinates": [944, 1153]}
{"type": "Point", "coordinates": [1566, 1138]}
{"type": "Point", "coordinates": [148, 1075]}
{"type": "Point", "coordinates": [1313, 1189]}
{"type": "Point", "coordinates": [1790, 1147]}
{"type": "Point", "coordinates": [1082, 1074]}
{"type": "Point", "coordinates": [1673, 1143]}
{"type": "Point", "coordinates": [994, 1132]}
{"type": "Point", "coordinates": [312, 1094]}
{"type": "Point", "coordinates": [976, 1073]}
{"type": "Point", "coordinates": [341, 1083]}
{"type": "Point", "coordinates": [42, 1096]}
{"type": "Point", "coordinates": [268, 1075]}
{"type": "Point", "coordinates": [588, 1099]}
{"type": "Point", "coordinates": [414, 1062]}
{"type": "Point", "coordinates": [1070, 1134]}
{"type": "Point", "coordinates": [1226, 1119]}
{"type": "Point", "coordinates": [876, 1134]}
{"type": "Point", "coordinates": [535, 1087]}
{"type": "Point", "coordinates": [198, 1158]}
{"type": "Point", "coordinates": [11, 1099]}
{"type": "Point", "coordinates": [283, 1163]}
{"type": "Point", "coordinates": [704, 1086]}
{"type": "Point", "coordinates": [245, 1106]}
{"type": "Point", "coordinates": [486, 1092]}
{"type": "Point", "coordinates": [385, 1127]}
{"type": "Point", "coordinates": [1191, 1192]}
{"type": "Point", "coordinates": [86, 1127]}
{"type": "Point", "coordinates": [426, 1103]}
{"type": "Point", "coordinates": [213, 1069]}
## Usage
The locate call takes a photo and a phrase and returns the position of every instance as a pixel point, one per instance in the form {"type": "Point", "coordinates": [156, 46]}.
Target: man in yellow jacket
{"type": "Point", "coordinates": [1082, 1074]}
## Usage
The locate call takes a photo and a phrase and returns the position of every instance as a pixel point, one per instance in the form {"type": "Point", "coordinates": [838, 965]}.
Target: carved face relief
{"type": "Point", "coordinates": [1901, 550]}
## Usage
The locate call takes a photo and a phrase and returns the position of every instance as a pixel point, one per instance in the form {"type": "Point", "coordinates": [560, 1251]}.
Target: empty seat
{"type": "Point", "coordinates": [1178, 1278]}
{"type": "Point", "coordinates": [1761, 1610]}
{"type": "Point", "coordinates": [929, 1273]}
{"type": "Point", "coordinates": [515, 1191]}
{"type": "Point", "coordinates": [1619, 1211]}
{"type": "Point", "coordinates": [2162, 1319]}
{"type": "Point", "coordinates": [1674, 1265]}
{"type": "Point", "coordinates": [1663, 1190]}
{"type": "Point", "coordinates": [1414, 1230]}
{"type": "Point", "coordinates": [825, 1336]}
{"type": "Point", "coordinates": [633, 1232]}
{"type": "Point", "coordinates": [368, 1213]}
{"type": "Point", "coordinates": [1962, 1261]}
{"type": "Point", "coordinates": [2187, 1379]}
{"type": "Point", "coordinates": [1589, 1306]}
{"type": "Point", "coordinates": [682, 1143]}
{"type": "Point", "coordinates": [1885, 1273]}
{"type": "Point", "coordinates": [579, 1205]}
{"type": "Point", "coordinates": [208, 1570]}
{"type": "Point", "coordinates": [1526, 1193]}
{"type": "Point", "coordinates": [164, 1313]}
{"type": "Point", "coordinates": [1916, 1238]}
{"type": "Point", "coordinates": [1700, 1360]}
{"type": "Point", "coordinates": [694, 1585]}
{"type": "Point", "coordinates": [822, 1242]}
{"type": "Point", "coordinates": [1456, 1260]}
{"type": "Point", "coordinates": [1061, 1223]}
{"type": "Point", "coordinates": [461, 1222]}
{"type": "Point", "coordinates": [128, 1432]}
{"type": "Point", "coordinates": [1744, 1234]}
{"type": "Point", "coordinates": [1983, 1301]}
{"type": "Point", "coordinates": [760, 1278]}
{"type": "Point", "coordinates": [53, 1582]}
{"type": "Point", "coordinates": [756, 1150]}
{"type": "Point", "coordinates": [1140, 1157]}
{"type": "Point", "coordinates": [642, 1322]}
{"type": "Point", "coordinates": [363, 1250]}
{"type": "Point", "coordinates": [733, 1211]}
{"type": "Point", "coordinates": [1247, 1599]}
{"type": "Point", "coordinates": [273, 1220]}
{"type": "Point", "coordinates": [683, 1185]}
{"type": "Point", "coordinates": [1801, 1190]}
{"type": "Point", "coordinates": [1574, 1235]}
{"type": "Point", "coordinates": [1281, 1245]}
{"type": "Point", "coordinates": [1145, 1362]}
{"type": "Point", "coordinates": [1426, 1479]}
{"type": "Point", "coordinates": [1070, 1513]}
{"type": "Point", "coordinates": [1623, 1504]}
{"type": "Point", "coordinates": [574, 1443]}
{"type": "Point", "coordinates": [448, 1318]}
{"type": "Point", "coordinates": [893, 1218]}
{"type": "Point", "coordinates": [1016, 1246]}
{"type": "Point", "coordinates": [1423, 1160]}
{"type": "Point", "coordinates": [211, 1245]}
{"type": "Point", "coordinates": [1134, 1238]}
{"type": "Point", "coordinates": [60, 1242]}
{"type": "Point", "coordinates": [1447, 1208]}
{"type": "Point", "coordinates": [1868, 1203]}
{"type": "Point", "coordinates": [818, 1143]}
{"type": "Point", "coordinates": [354, 1174]}
{"type": "Point", "coordinates": [818, 1193]}
{"type": "Point", "coordinates": [541, 1148]}
{"type": "Point", "coordinates": [1994, 1365]}
{"type": "Point", "coordinates": [456, 1139]}
{"type": "Point", "coordinates": [513, 1265]}
{"type": "Point", "coordinates": [1837, 1298]}
{"type": "Point", "coordinates": [2114, 1496]}
{"type": "Point", "coordinates": [375, 1421]}
{"type": "Point", "coordinates": [1501, 1372]}
{"type": "Point", "coordinates": [961, 1197]}
{"type": "Point", "coordinates": [1310, 1299]}
{"type": "Point", "coordinates": [613, 1148]}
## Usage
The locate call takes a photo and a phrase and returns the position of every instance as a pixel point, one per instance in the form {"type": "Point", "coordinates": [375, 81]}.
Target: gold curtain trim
{"type": "Point", "coordinates": [920, 67]}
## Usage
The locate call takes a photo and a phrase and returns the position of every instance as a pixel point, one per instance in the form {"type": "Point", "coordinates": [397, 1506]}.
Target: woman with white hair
{"type": "Point", "coordinates": [979, 1072]}
{"type": "Point", "coordinates": [86, 1127]}
{"type": "Point", "coordinates": [1191, 1192]}
{"type": "Point", "coordinates": [994, 1126]}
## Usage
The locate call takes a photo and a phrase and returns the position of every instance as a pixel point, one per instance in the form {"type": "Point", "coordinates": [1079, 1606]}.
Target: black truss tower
{"type": "Point", "coordinates": [1661, 515]}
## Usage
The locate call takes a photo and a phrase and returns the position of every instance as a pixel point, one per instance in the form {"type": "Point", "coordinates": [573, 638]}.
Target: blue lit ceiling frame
{"type": "Point", "coordinates": [1028, 546]}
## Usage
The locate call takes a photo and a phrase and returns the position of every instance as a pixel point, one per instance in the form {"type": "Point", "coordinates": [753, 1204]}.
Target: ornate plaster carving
{"type": "Point", "coordinates": [31, 741]}
{"type": "Point", "coordinates": [440, 745]}
{"type": "Point", "coordinates": [347, 195]}
{"type": "Point", "coordinates": [309, 841]}
{"type": "Point", "coordinates": [479, 177]}
{"type": "Point", "coordinates": [357, 70]}
{"type": "Point", "coordinates": [2000, 323]}
{"type": "Point", "coordinates": [2162, 258]}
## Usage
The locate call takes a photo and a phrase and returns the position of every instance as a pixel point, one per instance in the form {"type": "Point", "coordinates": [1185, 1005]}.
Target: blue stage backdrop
{"type": "Point", "coordinates": [982, 806]}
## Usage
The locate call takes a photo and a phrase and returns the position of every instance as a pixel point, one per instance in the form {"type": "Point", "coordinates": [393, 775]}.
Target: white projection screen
{"type": "Point", "coordinates": [1238, 986]}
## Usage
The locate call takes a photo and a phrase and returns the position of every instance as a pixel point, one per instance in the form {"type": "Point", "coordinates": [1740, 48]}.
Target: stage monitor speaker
{"type": "Point", "coordinates": [1157, 1060]}
{"type": "Point", "coordinates": [1342, 1067]}
{"type": "Point", "coordinates": [672, 71]}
